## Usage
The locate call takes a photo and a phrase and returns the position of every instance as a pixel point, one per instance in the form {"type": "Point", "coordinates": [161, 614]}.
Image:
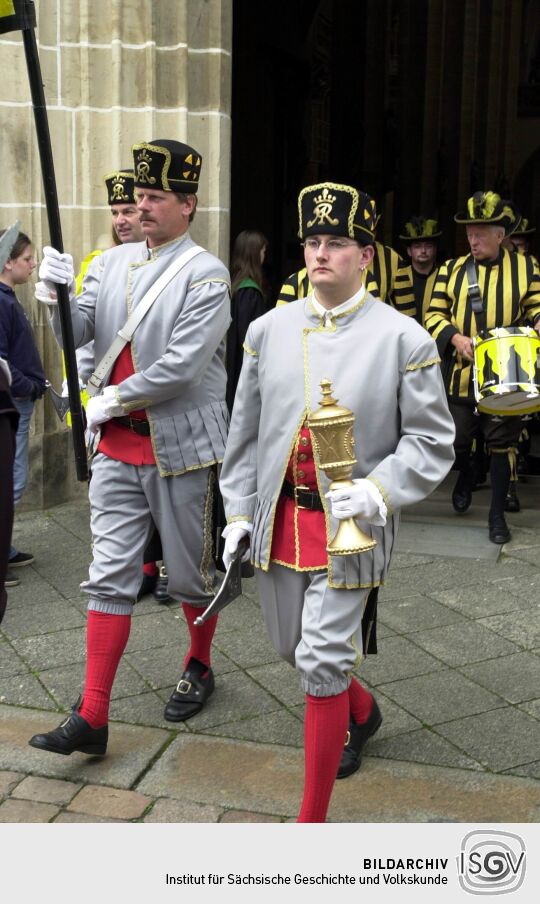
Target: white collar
{"type": "Point", "coordinates": [329, 315]}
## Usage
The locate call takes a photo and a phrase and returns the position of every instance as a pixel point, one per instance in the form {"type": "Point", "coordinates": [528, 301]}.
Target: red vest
{"type": "Point", "coordinates": [299, 535]}
{"type": "Point", "coordinates": [120, 442]}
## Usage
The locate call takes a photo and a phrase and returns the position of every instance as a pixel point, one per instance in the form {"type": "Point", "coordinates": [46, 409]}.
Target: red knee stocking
{"type": "Point", "coordinates": [360, 702]}
{"type": "Point", "coordinates": [200, 637]}
{"type": "Point", "coordinates": [106, 639]}
{"type": "Point", "coordinates": [150, 569]}
{"type": "Point", "coordinates": [325, 727]}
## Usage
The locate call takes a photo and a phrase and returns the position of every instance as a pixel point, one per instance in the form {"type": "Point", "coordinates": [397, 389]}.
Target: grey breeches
{"type": "Point", "coordinates": [316, 628]}
{"type": "Point", "coordinates": [126, 500]}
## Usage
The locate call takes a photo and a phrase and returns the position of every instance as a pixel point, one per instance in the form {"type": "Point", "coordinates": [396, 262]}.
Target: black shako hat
{"type": "Point", "coordinates": [332, 209]}
{"type": "Point", "coordinates": [418, 229]}
{"type": "Point", "coordinates": [121, 187]}
{"type": "Point", "coordinates": [167, 166]}
{"type": "Point", "coordinates": [488, 208]}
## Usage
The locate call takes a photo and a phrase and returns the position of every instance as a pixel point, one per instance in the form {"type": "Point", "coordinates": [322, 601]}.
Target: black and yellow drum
{"type": "Point", "coordinates": [507, 371]}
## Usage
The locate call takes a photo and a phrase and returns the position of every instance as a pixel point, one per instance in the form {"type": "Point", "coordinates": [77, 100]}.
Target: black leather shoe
{"type": "Point", "coordinates": [511, 503]}
{"type": "Point", "coordinates": [161, 592]}
{"type": "Point", "coordinates": [498, 530]}
{"type": "Point", "coordinates": [148, 585]}
{"type": "Point", "coordinates": [73, 734]}
{"type": "Point", "coordinates": [462, 494]}
{"type": "Point", "coordinates": [192, 692]}
{"type": "Point", "coordinates": [357, 735]}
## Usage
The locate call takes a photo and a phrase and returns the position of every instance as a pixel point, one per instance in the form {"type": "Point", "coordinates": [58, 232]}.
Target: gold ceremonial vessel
{"type": "Point", "coordinates": [331, 426]}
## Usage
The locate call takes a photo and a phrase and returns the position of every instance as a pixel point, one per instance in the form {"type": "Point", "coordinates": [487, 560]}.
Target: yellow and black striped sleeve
{"type": "Point", "coordinates": [404, 300]}
{"type": "Point", "coordinates": [297, 285]}
{"type": "Point", "coordinates": [439, 316]}
{"type": "Point", "coordinates": [384, 268]}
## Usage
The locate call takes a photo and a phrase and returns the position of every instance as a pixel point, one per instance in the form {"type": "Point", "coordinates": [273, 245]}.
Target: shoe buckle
{"type": "Point", "coordinates": [347, 739]}
{"type": "Point", "coordinates": [183, 686]}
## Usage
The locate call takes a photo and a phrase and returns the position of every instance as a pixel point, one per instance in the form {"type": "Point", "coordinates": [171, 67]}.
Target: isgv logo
{"type": "Point", "coordinates": [491, 863]}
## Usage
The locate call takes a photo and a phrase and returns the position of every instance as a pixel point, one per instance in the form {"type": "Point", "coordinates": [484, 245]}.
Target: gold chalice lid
{"type": "Point", "coordinates": [329, 406]}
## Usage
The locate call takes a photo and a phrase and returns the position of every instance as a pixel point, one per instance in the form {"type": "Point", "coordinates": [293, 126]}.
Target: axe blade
{"type": "Point", "coordinates": [61, 403]}
{"type": "Point", "coordinates": [230, 589]}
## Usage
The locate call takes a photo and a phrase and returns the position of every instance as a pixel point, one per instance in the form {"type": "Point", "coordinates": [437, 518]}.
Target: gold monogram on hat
{"type": "Point", "coordinates": [143, 168]}
{"type": "Point", "coordinates": [120, 187]}
{"type": "Point", "coordinates": [322, 208]}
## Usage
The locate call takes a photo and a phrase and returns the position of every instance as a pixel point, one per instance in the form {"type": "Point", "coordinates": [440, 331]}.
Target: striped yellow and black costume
{"type": "Point", "coordinates": [411, 283]}
{"type": "Point", "coordinates": [510, 288]}
{"type": "Point", "coordinates": [380, 281]}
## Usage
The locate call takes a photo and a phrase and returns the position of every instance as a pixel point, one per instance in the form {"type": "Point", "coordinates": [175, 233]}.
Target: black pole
{"type": "Point", "coordinates": [55, 231]}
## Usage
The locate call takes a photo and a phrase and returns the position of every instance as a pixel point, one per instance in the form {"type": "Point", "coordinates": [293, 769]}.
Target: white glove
{"type": "Point", "coordinates": [46, 292]}
{"type": "Point", "coordinates": [233, 533]}
{"type": "Point", "coordinates": [57, 268]}
{"type": "Point", "coordinates": [65, 393]}
{"type": "Point", "coordinates": [102, 408]}
{"type": "Point", "coordinates": [363, 500]}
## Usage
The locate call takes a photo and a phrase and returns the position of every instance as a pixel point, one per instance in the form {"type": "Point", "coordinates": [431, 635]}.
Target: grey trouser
{"type": "Point", "coordinates": [126, 501]}
{"type": "Point", "coordinates": [316, 628]}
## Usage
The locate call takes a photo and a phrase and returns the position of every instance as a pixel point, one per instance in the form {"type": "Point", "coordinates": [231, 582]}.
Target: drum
{"type": "Point", "coordinates": [507, 371]}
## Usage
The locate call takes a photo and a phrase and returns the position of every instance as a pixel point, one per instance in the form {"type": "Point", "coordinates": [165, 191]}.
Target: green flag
{"type": "Point", "coordinates": [16, 15]}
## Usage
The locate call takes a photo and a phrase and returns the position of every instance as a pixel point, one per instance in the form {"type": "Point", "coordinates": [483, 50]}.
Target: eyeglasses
{"type": "Point", "coordinates": [331, 245]}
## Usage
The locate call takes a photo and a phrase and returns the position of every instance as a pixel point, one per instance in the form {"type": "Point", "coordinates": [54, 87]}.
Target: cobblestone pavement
{"type": "Point", "coordinates": [457, 678]}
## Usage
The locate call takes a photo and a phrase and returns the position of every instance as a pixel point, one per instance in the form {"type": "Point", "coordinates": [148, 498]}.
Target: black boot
{"type": "Point", "coordinates": [511, 503]}
{"type": "Point", "coordinates": [73, 734]}
{"type": "Point", "coordinates": [357, 736]}
{"type": "Point", "coordinates": [462, 492]}
{"type": "Point", "coordinates": [500, 473]}
{"type": "Point", "coordinates": [161, 593]}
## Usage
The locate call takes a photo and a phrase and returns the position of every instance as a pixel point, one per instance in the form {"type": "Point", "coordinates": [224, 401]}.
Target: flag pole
{"type": "Point", "coordinates": [25, 9]}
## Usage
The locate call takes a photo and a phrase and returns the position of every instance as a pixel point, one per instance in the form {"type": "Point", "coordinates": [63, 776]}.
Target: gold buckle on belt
{"type": "Point", "coordinates": [296, 488]}
{"type": "Point", "coordinates": [183, 686]}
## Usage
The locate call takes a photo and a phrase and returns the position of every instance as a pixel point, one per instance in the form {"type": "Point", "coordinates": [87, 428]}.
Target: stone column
{"type": "Point", "coordinates": [115, 72]}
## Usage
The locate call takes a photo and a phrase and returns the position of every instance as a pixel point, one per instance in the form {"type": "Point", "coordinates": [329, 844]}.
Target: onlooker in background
{"type": "Point", "coordinates": [248, 301]}
{"type": "Point", "coordinates": [19, 349]}
{"type": "Point", "coordinates": [9, 418]}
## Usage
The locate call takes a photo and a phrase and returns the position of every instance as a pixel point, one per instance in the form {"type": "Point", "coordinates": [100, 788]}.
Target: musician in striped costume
{"type": "Point", "coordinates": [421, 237]}
{"type": "Point", "coordinates": [509, 285]}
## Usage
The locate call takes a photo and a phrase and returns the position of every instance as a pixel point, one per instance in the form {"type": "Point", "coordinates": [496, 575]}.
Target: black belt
{"type": "Point", "coordinates": [133, 423]}
{"type": "Point", "coordinates": [304, 498]}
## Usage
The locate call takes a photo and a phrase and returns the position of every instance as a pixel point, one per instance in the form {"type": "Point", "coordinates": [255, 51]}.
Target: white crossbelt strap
{"type": "Point", "coordinates": [124, 335]}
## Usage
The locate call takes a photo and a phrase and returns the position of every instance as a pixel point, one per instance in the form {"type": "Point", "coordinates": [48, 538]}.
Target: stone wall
{"type": "Point", "coordinates": [115, 72]}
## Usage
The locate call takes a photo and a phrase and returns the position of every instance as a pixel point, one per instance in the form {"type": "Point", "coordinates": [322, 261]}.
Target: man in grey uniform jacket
{"type": "Point", "coordinates": [384, 367]}
{"type": "Point", "coordinates": [161, 424]}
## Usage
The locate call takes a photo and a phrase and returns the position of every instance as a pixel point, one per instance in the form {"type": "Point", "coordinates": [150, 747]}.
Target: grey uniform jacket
{"type": "Point", "coordinates": [384, 367]}
{"type": "Point", "coordinates": [177, 350]}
